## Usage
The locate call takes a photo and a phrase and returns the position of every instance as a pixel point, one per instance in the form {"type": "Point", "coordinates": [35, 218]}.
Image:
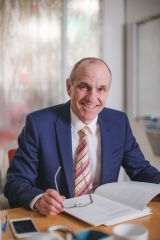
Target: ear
{"type": "Point", "coordinates": [68, 86]}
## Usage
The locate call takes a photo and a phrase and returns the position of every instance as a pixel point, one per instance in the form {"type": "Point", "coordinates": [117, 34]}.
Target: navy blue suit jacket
{"type": "Point", "coordinates": [45, 144]}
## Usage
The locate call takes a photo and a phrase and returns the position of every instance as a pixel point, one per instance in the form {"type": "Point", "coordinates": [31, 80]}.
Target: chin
{"type": "Point", "coordinates": [87, 120]}
{"type": "Point", "coordinates": [87, 116]}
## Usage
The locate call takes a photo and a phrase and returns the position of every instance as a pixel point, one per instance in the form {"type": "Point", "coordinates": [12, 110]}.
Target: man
{"type": "Point", "coordinates": [45, 159]}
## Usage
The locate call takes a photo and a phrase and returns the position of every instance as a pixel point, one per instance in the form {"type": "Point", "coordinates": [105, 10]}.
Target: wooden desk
{"type": "Point", "coordinates": [152, 222]}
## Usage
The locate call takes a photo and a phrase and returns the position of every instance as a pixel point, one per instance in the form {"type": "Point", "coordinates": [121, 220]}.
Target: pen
{"type": "Point", "coordinates": [4, 223]}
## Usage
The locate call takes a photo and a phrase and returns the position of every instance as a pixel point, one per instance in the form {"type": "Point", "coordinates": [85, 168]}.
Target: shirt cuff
{"type": "Point", "coordinates": [34, 200]}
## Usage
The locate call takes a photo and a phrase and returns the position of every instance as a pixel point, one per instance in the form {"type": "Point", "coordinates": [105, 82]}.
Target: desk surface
{"type": "Point", "coordinates": [152, 222]}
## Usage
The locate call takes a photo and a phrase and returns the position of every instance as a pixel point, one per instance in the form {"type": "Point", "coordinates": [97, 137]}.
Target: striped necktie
{"type": "Point", "coordinates": [83, 176]}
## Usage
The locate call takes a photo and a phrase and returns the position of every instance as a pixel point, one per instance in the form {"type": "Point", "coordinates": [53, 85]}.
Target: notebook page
{"type": "Point", "coordinates": [130, 193]}
{"type": "Point", "coordinates": [101, 211]}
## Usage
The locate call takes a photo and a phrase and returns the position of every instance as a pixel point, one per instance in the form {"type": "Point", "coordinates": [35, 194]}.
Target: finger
{"type": "Point", "coordinates": [52, 203]}
{"type": "Point", "coordinates": [50, 198]}
{"type": "Point", "coordinates": [46, 209]}
{"type": "Point", "coordinates": [46, 212]}
{"type": "Point", "coordinates": [63, 197]}
{"type": "Point", "coordinates": [54, 194]}
{"type": "Point", "coordinates": [49, 211]}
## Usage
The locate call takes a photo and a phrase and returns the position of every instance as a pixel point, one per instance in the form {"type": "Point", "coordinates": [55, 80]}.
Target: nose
{"type": "Point", "coordinates": [92, 95]}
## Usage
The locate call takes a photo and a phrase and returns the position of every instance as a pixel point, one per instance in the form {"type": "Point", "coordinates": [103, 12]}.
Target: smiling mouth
{"type": "Point", "coordinates": [90, 106]}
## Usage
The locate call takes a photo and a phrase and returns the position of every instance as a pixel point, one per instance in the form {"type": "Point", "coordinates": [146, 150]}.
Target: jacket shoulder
{"type": "Point", "coordinates": [52, 112]}
{"type": "Point", "coordinates": [113, 113]}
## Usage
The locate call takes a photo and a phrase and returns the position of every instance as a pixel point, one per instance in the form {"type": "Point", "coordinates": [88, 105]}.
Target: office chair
{"type": "Point", "coordinates": [11, 153]}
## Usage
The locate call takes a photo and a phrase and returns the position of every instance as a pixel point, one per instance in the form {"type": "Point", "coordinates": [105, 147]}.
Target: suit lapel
{"type": "Point", "coordinates": [63, 128]}
{"type": "Point", "coordinates": [106, 147]}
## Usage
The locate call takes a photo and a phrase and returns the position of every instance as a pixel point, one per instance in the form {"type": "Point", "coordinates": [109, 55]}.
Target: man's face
{"type": "Point", "coordinates": [89, 90]}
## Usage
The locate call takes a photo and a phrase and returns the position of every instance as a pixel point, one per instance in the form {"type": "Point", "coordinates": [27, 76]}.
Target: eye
{"type": "Point", "coordinates": [102, 89]}
{"type": "Point", "coordinates": [83, 86]}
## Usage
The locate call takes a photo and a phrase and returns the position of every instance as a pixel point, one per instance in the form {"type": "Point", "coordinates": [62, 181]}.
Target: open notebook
{"type": "Point", "coordinates": [114, 203]}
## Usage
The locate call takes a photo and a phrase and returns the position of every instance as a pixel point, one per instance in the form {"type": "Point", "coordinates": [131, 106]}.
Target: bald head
{"type": "Point", "coordinates": [83, 63]}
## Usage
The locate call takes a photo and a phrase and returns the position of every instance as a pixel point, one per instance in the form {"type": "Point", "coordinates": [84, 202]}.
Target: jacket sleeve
{"type": "Point", "coordinates": [22, 174]}
{"type": "Point", "coordinates": [137, 168]}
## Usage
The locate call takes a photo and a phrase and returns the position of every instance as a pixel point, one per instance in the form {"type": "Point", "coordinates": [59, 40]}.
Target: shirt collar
{"type": "Point", "coordinates": [76, 124]}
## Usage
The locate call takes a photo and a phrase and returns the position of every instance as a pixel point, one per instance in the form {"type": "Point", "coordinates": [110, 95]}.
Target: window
{"type": "Point", "coordinates": [40, 40]}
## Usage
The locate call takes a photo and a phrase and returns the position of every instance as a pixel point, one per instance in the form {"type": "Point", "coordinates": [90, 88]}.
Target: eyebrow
{"type": "Point", "coordinates": [85, 83]}
{"type": "Point", "coordinates": [103, 86]}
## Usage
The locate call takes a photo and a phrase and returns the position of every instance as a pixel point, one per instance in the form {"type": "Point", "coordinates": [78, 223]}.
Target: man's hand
{"type": "Point", "coordinates": [50, 203]}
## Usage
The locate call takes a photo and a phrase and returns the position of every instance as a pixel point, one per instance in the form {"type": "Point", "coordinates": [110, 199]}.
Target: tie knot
{"type": "Point", "coordinates": [85, 131]}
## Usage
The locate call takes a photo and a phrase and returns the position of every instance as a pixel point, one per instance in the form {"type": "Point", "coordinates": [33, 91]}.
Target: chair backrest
{"type": "Point", "coordinates": [11, 153]}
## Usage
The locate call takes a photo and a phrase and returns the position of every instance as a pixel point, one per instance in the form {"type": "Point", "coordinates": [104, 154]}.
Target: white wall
{"type": "Point", "coordinates": [138, 10]}
{"type": "Point", "coordinates": [112, 49]}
